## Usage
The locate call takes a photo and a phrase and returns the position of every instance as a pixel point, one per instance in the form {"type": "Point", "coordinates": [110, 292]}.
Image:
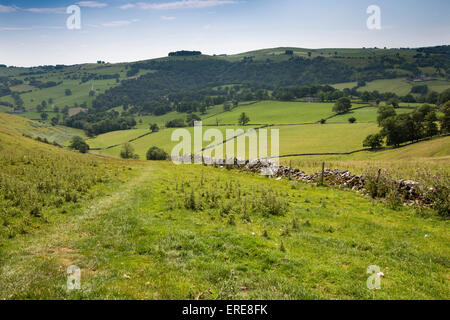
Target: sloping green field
{"type": "Point", "coordinates": [276, 112]}
{"type": "Point", "coordinates": [59, 134]}
{"type": "Point", "coordinates": [399, 86]}
{"type": "Point", "coordinates": [145, 239]}
{"type": "Point", "coordinates": [367, 114]}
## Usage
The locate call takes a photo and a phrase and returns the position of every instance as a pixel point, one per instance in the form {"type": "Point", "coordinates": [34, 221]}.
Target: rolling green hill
{"type": "Point", "coordinates": [273, 67]}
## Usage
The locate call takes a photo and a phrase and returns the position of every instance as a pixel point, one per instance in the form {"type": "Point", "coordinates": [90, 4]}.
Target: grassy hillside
{"type": "Point", "coordinates": [269, 68]}
{"type": "Point", "coordinates": [38, 180]}
{"type": "Point", "coordinates": [186, 232]}
{"type": "Point", "coordinates": [366, 114]}
{"type": "Point", "coordinates": [21, 125]}
{"type": "Point", "coordinates": [402, 163]}
{"type": "Point", "coordinates": [154, 230]}
{"type": "Point", "coordinates": [400, 86]}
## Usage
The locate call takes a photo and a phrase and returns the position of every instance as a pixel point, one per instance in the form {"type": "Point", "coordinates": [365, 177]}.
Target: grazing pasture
{"type": "Point", "coordinates": [187, 232]}
{"type": "Point", "coordinates": [276, 112]}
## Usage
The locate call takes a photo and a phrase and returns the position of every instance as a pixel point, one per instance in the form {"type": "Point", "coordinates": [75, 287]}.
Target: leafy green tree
{"type": "Point", "coordinates": [244, 119]}
{"type": "Point", "coordinates": [44, 116]}
{"type": "Point", "coordinates": [261, 94]}
{"type": "Point", "coordinates": [394, 131]}
{"type": "Point", "coordinates": [352, 120]}
{"type": "Point", "coordinates": [444, 96]}
{"type": "Point", "coordinates": [55, 121]}
{"type": "Point", "coordinates": [445, 120]}
{"type": "Point", "coordinates": [373, 141]}
{"type": "Point", "coordinates": [432, 97]}
{"type": "Point", "coordinates": [203, 109]}
{"type": "Point", "coordinates": [424, 110]}
{"type": "Point", "coordinates": [79, 144]}
{"type": "Point", "coordinates": [154, 127]}
{"type": "Point", "coordinates": [226, 106]}
{"type": "Point", "coordinates": [191, 118]}
{"type": "Point", "coordinates": [366, 96]}
{"type": "Point", "coordinates": [68, 92]}
{"type": "Point", "coordinates": [385, 112]}
{"type": "Point", "coordinates": [235, 103]}
{"type": "Point", "coordinates": [431, 128]}
{"type": "Point", "coordinates": [155, 153]}
{"type": "Point", "coordinates": [127, 152]}
{"type": "Point", "coordinates": [420, 89]}
{"type": "Point", "coordinates": [175, 123]}
{"type": "Point", "coordinates": [343, 105]}
{"type": "Point", "coordinates": [393, 102]}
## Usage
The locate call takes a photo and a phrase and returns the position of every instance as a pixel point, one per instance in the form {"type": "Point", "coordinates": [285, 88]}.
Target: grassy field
{"type": "Point", "coordinates": [155, 230]}
{"type": "Point", "coordinates": [38, 179]}
{"type": "Point", "coordinates": [80, 93]}
{"type": "Point", "coordinates": [21, 125]}
{"type": "Point", "coordinates": [337, 135]}
{"type": "Point", "coordinates": [402, 163]}
{"type": "Point", "coordinates": [293, 139]}
{"type": "Point", "coordinates": [367, 114]}
{"type": "Point", "coordinates": [276, 112]}
{"type": "Point", "coordinates": [400, 86]}
{"type": "Point", "coordinates": [161, 139]}
{"type": "Point", "coordinates": [186, 232]}
{"type": "Point", "coordinates": [324, 138]}
{"type": "Point", "coordinates": [145, 121]}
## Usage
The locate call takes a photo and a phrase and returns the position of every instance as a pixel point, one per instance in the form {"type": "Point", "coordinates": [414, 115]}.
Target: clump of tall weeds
{"type": "Point", "coordinates": [436, 188]}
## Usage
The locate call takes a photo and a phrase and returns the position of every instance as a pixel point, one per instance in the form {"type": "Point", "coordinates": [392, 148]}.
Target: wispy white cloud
{"type": "Point", "coordinates": [167, 18]}
{"type": "Point", "coordinates": [13, 28]}
{"type": "Point", "coordinates": [181, 4]}
{"type": "Point", "coordinates": [92, 4]}
{"type": "Point", "coordinates": [119, 23]}
{"type": "Point", "coordinates": [29, 28]}
{"type": "Point", "coordinates": [46, 10]}
{"type": "Point", "coordinates": [7, 9]}
{"type": "Point", "coordinates": [127, 6]}
{"type": "Point", "coordinates": [87, 4]}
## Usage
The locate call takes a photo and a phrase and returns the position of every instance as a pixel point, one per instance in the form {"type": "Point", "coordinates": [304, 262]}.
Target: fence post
{"type": "Point", "coordinates": [290, 169]}
{"type": "Point", "coordinates": [376, 183]}
{"type": "Point", "coordinates": [323, 172]}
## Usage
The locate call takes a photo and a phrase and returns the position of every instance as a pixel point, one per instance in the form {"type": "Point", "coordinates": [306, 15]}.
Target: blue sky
{"type": "Point", "coordinates": [35, 32]}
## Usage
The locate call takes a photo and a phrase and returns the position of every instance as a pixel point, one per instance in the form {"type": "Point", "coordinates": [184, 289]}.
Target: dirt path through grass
{"type": "Point", "coordinates": [35, 263]}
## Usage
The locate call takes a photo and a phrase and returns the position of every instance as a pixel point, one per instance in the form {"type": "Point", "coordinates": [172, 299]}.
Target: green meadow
{"type": "Point", "coordinates": [276, 112]}
{"type": "Point", "coordinates": [161, 139]}
{"type": "Point", "coordinates": [80, 93]}
{"type": "Point", "coordinates": [400, 86]}
{"type": "Point", "coordinates": [365, 114]}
